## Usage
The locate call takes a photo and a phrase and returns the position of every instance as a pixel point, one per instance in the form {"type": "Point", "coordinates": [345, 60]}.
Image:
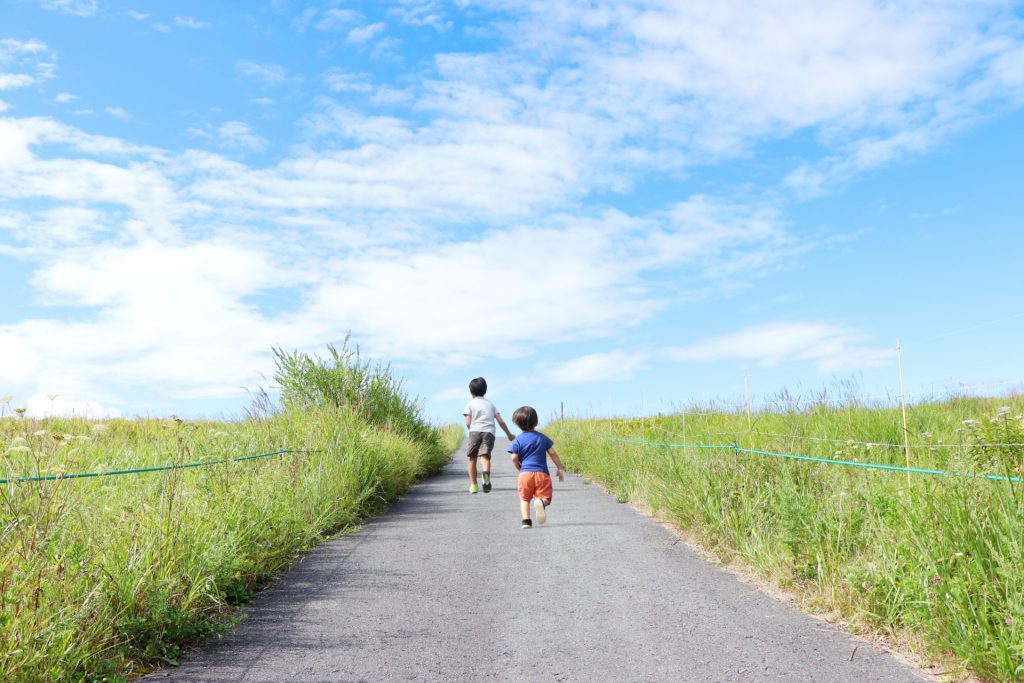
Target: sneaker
{"type": "Point", "coordinates": [473, 488]}
{"type": "Point", "coordinates": [538, 509]}
{"type": "Point", "coordinates": [527, 524]}
{"type": "Point", "coordinates": [487, 482]}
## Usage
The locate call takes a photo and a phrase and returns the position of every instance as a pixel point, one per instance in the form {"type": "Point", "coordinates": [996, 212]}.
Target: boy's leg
{"type": "Point", "coordinates": [485, 469]}
{"type": "Point", "coordinates": [525, 494]}
{"type": "Point", "coordinates": [486, 446]}
{"type": "Point", "coordinates": [471, 469]}
{"type": "Point", "coordinates": [472, 447]}
{"type": "Point", "coordinates": [544, 491]}
{"type": "Point", "coordinates": [543, 494]}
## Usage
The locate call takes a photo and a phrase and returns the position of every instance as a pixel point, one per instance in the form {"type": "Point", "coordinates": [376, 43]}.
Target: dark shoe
{"type": "Point", "coordinates": [487, 482]}
{"type": "Point", "coordinates": [527, 524]}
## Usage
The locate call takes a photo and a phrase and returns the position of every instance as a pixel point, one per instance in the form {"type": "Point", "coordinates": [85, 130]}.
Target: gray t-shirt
{"type": "Point", "coordinates": [481, 413]}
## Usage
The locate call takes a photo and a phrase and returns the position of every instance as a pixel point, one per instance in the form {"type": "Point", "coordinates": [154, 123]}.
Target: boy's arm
{"type": "Point", "coordinates": [469, 421]}
{"type": "Point", "coordinates": [515, 460]}
{"type": "Point", "coordinates": [497, 417]}
{"type": "Point", "coordinates": [553, 454]}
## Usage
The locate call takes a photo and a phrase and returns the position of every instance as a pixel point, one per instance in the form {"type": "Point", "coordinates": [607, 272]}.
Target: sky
{"type": "Point", "coordinates": [605, 208]}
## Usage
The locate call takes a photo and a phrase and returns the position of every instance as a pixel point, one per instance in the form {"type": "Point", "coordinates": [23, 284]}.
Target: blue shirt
{"type": "Point", "coordinates": [532, 449]}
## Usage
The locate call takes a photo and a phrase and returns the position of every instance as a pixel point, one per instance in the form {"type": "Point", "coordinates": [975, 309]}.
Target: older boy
{"type": "Point", "coordinates": [530, 452]}
{"type": "Point", "coordinates": [480, 418]}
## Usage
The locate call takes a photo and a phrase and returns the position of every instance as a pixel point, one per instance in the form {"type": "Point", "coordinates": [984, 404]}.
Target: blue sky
{"type": "Point", "coordinates": [623, 207]}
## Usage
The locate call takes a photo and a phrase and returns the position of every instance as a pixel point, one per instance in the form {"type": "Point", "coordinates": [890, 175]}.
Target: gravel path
{"type": "Point", "coordinates": [447, 587]}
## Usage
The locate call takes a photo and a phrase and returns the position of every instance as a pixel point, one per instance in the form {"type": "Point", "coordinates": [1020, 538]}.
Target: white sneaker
{"type": "Point", "coordinates": [540, 512]}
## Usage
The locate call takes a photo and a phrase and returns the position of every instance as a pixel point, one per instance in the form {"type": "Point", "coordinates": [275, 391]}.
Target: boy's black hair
{"type": "Point", "coordinates": [478, 386]}
{"type": "Point", "coordinates": [525, 418]}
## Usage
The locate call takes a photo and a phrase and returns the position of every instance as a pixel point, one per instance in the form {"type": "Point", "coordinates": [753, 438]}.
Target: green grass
{"type": "Point", "coordinates": [102, 578]}
{"type": "Point", "coordinates": [935, 561]}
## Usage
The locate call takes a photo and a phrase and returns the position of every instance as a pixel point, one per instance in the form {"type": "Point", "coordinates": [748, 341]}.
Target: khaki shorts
{"type": "Point", "coordinates": [479, 441]}
{"type": "Point", "coordinates": [535, 485]}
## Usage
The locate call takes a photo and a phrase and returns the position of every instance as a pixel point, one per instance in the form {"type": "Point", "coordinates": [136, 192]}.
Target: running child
{"type": "Point", "coordinates": [530, 452]}
{"type": "Point", "coordinates": [480, 418]}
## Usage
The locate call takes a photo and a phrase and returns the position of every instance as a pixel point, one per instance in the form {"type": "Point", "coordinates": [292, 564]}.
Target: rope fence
{"type": "Point", "coordinates": [789, 456]}
{"type": "Point", "coordinates": [159, 468]}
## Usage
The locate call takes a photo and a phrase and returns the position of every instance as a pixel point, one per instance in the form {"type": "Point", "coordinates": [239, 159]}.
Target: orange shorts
{"type": "Point", "coordinates": [535, 485]}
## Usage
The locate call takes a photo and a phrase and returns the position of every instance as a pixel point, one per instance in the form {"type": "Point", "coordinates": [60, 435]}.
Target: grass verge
{"type": "Point", "coordinates": [935, 557]}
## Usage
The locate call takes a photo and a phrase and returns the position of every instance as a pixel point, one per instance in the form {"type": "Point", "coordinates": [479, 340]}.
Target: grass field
{"type": "Point", "coordinates": [103, 577]}
{"type": "Point", "coordinates": [933, 562]}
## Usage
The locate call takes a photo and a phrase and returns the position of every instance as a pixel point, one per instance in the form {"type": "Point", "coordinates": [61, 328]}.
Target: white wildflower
{"type": "Point", "coordinates": [40, 432]}
{"type": "Point", "coordinates": [1004, 410]}
{"type": "Point", "coordinates": [970, 423]}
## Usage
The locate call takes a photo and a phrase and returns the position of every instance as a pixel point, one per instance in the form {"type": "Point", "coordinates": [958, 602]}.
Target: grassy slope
{"type": "Point", "coordinates": [935, 557]}
{"type": "Point", "coordinates": [106, 576]}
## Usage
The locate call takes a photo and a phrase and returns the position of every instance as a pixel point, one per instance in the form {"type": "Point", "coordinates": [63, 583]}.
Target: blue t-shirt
{"type": "Point", "coordinates": [532, 449]}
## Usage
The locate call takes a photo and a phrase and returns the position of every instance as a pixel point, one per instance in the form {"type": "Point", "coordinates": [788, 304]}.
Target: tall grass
{"type": "Point", "coordinates": [101, 578]}
{"type": "Point", "coordinates": [935, 561]}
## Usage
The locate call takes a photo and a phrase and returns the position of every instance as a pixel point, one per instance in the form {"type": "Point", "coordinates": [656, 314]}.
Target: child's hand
{"type": "Point", "coordinates": [561, 477]}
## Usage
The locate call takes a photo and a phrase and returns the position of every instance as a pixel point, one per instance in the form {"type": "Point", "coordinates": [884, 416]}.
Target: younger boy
{"type": "Point", "coordinates": [480, 418]}
{"type": "Point", "coordinates": [530, 453]}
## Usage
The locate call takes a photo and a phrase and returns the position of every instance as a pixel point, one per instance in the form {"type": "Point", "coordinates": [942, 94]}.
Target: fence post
{"type": "Point", "coordinates": [903, 407]}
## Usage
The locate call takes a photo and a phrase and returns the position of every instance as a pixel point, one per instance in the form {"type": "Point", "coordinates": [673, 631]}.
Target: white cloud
{"type": "Point", "coordinates": [64, 98]}
{"type": "Point", "coordinates": [423, 13]}
{"type": "Point", "coordinates": [598, 367]}
{"type": "Point", "coordinates": [267, 74]}
{"type": "Point", "coordinates": [341, 81]}
{"type": "Point", "coordinates": [829, 347]}
{"type": "Point", "coordinates": [4, 106]}
{"type": "Point", "coordinates": [875, 82]}
{"type": "Point", "coordinates": [119, 113]}
{"type": "Point", "coordinates": [335, 19]}
{"type": "Point", "coordinates": [364, 34]}
{"type": "Point", "coordinates": [31, 60]}
{"type": "Point", "coordinates": [239, 134]}
{"type": "Point", "coordinates": [190, 22]}
{"type": "Point", "coordinates": [138, 16]}
{"type": "Point", "coordinates": [11, 81]}
{"type": "Point", "coordinates": [80, 8]}
{"type": "Point", "coordinates": [158, 309]}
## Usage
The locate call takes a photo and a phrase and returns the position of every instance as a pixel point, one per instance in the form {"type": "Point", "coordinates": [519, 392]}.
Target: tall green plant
{"type": "Point", "coordinates": [344, 380]}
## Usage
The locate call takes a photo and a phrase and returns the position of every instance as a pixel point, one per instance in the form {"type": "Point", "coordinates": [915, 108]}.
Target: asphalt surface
{"type": "Point", "coordinates": [447, 587]}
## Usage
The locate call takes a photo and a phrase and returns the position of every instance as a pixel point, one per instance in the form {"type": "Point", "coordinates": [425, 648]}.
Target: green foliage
{"type": "Point", "coordinates": [344, 381]}
{"type": "Point", "coordinates": [932, 558]}
{"type": "Point", "coordinates": [102, 578]}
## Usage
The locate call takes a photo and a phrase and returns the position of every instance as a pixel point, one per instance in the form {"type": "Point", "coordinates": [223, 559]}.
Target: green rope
{"type": "Point", "coordinates": [735, 448]}
{"type": "Point", "coordinates": [894, 468]}
{"type": "Point", "coordinates": [161, 468]}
